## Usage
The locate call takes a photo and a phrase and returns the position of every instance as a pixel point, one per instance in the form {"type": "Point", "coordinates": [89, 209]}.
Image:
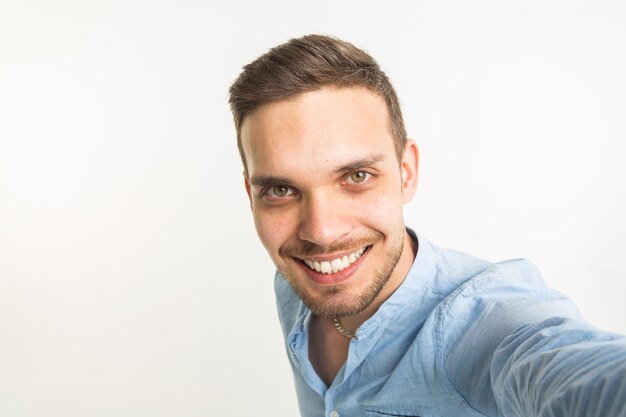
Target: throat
{"type": "Point", "coordinates": [328, 349]}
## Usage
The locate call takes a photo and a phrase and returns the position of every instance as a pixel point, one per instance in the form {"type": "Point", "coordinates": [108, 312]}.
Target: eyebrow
{"type": "Point", "coordinates": [265, 181]}
{"type": "Point", "coordinates": [360, 163]}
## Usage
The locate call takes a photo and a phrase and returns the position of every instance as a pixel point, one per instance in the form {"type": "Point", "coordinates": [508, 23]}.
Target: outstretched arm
{"type": "Point", "coordinates": [516, 348]}
{"type": "Point", "coordinates": [560, 367]}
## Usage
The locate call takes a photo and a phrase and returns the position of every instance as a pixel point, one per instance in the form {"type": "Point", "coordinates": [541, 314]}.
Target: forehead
{"type": "Point", "coordinates": [316, 130]}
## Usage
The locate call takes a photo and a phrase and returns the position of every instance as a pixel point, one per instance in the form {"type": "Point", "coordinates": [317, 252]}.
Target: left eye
{"type": "Point", "coordinates": [359, 176]}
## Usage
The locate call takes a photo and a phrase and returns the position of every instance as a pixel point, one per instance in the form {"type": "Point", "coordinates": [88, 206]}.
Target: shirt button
{"type": "Point", "coordinates": [334, 414]}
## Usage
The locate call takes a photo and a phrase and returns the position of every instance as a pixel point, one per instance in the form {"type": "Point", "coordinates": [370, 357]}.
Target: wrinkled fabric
{"type": "Point", "coordinates": [464, 337]}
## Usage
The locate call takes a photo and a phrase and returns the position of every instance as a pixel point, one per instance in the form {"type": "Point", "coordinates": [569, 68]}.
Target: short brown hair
{"type": "Point", "coordinates": [307, 64]}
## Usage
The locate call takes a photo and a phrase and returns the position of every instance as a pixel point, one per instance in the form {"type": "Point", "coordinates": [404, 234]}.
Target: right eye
{"type": "Point", "coordinates": [279, 191]}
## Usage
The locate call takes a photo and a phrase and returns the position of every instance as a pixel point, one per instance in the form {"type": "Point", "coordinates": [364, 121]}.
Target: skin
{"type": "Point", "coordinates": [324, 181]}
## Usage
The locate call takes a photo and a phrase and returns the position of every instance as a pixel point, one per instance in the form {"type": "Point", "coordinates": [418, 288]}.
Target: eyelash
{"type": "Point", "coordinates": [266, 192]}
{"type": "Point", "coordinates": [368, 177]}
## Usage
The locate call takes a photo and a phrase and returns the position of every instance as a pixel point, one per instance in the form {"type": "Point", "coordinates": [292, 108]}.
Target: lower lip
{"type": "Point", "coordinates": [337, 277]}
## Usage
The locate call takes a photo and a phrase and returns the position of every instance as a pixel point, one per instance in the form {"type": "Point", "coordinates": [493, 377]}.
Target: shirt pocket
{"type": "Point", "coordinates": [396, 410]}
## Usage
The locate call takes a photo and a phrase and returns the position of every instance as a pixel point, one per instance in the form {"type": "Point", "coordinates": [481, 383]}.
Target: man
{"type": "Point", "coordinates": [377, 320]}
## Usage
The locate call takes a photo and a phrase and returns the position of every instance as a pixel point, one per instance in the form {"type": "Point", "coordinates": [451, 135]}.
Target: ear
{"type": "Point", "coordinates": [248, 190]}
{"type": "Point", "coordinates": [409, 170]}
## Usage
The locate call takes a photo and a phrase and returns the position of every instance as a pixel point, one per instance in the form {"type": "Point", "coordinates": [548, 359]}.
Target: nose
{"type": "Point", "coordinates": [323, 220]}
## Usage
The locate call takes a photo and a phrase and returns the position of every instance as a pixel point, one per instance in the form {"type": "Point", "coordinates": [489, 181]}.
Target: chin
{"type": "Point", "coordinates": [349, 290]}
{"type": "Point", "coordinates": [341, 300]}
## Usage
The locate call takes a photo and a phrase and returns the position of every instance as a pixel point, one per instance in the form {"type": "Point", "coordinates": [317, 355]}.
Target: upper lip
{"type": "Point", "coordinates": [331, 256]}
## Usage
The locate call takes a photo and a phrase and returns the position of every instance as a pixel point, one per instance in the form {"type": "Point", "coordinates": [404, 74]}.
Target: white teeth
{"type": "Point", "coordinates": [336, 265]}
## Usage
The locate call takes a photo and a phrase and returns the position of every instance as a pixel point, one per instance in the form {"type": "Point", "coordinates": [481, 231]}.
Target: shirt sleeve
{"type": "Point", "coordinates": [560, 367]}
{"type": "Point", "coordinates": [516, 348]}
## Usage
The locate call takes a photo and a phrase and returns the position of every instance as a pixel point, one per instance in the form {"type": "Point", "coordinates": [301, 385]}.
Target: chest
{"type": "Point", "coordinates": [397, 375]}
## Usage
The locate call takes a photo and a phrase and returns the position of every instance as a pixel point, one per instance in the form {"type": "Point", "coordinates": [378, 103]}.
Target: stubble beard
{"type": "Point", "coordinates": [334, 302]}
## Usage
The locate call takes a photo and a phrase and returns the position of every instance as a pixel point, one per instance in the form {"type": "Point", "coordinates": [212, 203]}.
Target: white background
{"type": "Point", "coordinates": [131, 279]}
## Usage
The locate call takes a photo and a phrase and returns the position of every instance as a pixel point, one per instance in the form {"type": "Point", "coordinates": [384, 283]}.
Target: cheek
{"type": "Point", "coordinates": [384, 217]}
{"type": "Point", "coordinates": [273, 229]}
{"type": "Point", "coordinates": [381, 208]}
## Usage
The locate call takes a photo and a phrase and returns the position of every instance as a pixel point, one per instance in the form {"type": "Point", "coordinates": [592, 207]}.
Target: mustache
{"type": "Point", "coordinates": [307, 249]}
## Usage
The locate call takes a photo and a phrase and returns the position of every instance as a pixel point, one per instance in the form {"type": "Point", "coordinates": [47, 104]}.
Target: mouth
{"type": "Point", "coordinates": [335, 265]}
{"type": "Point", "coordinates": [333, 270]}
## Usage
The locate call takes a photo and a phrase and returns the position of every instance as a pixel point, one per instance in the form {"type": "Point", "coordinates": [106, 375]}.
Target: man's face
{"type": "Point", "coordinates": [327, 191]}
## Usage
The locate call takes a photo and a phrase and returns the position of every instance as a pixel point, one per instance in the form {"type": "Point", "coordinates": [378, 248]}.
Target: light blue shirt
{"type": "Point", "coordinates": [464, 337]}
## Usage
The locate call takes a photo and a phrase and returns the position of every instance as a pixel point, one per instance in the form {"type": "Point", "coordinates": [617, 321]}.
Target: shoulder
{"type": "Point", "coordinates": [480, 314]}
{"type": "Point", "coordinates": [498, 300]}
{"type": "Point", "coordinates": [505, 286]}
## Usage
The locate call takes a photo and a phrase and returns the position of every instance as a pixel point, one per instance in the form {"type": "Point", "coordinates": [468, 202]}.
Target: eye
{"type": "Point", "coordinates": [279, 191]}
{"type": "Point", "coordinates": [359, 176]}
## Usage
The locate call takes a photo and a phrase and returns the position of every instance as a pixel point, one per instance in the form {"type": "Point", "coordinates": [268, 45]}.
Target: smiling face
{"type": "Point", "coordinates": [327, 191]}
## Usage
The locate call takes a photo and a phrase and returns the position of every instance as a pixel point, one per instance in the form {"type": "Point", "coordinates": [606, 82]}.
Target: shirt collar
{"type": "Point", "coordinates": [410, 290]}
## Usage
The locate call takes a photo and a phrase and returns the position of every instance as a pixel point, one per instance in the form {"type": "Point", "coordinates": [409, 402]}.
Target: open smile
{"type": "Point", "coordinates": [335, 265]}
{"type": "Point", "coordinates": [326, 270]}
